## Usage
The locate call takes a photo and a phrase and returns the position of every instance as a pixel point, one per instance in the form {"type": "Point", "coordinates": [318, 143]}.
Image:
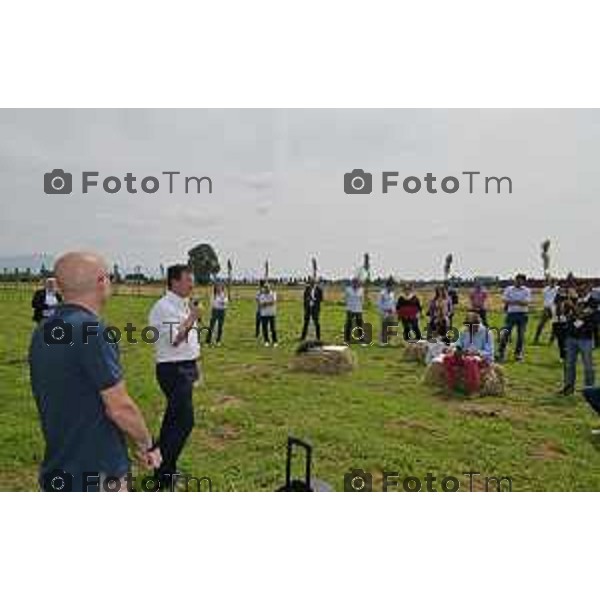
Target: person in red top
{"type": "Point", "coordinates": [408, 309]}
{"type": "Point", "coordinates": [478, 298]}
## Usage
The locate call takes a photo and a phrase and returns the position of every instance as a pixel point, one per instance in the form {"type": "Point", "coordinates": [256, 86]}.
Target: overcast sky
{"type": "Point", "coordinates": [278, 188]}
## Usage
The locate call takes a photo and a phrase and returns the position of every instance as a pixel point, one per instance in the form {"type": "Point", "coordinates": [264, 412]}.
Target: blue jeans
{"type": "Point", "coordinates": [574, 346]}
{"type": "Point", "coordinates": [518, 320]}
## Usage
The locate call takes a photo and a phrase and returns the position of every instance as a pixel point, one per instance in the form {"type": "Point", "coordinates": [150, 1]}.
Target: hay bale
{"type": "Point", "coordinates": [493, 381]}
{"type": "Point", "coordinates": [323, 359]}
{"type": "Point", "coordinates": [435, 375]}
{"type": "Point", "coordinates": [416, 351]}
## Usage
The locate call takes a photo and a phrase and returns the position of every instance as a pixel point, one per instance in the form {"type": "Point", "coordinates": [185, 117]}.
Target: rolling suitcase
{"type": "Point", "coordinates": [305, 484]}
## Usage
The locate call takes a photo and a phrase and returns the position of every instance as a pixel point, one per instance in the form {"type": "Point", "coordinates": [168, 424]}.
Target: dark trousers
{"type": "Point", "coordinates": [268, 323]}
{"type": "Point", "coordinates": [353, 320]}
{"type": "Point", "coordinates": [546, 316]}
{"type": "Point", "coordinates": [482, 312]}
{"type": "Point", "coordinates": [411, 326]}
{"type": "Point", "coordinates": [257, 324]}
{"type": "Point", "coordinates": [311, 312]}
{"type": "Point", "coordinates": [217, 318]}
{"type": "Point", "coordinates": [574, 347]}
{"type": "Point", "coordinates": [518, 320]}
{"type": "Point", "coordinates": [176, 380]}
{"type": "Point", "coordinates": [438, 329]}
{"type": "Point", "coordinates": [559, 331]}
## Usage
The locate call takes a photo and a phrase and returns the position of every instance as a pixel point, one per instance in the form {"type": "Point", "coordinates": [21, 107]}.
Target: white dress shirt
{"type": "Point", "coordinates": [167, 315]}
{"type": "Point", "coordinates": [549, 295]}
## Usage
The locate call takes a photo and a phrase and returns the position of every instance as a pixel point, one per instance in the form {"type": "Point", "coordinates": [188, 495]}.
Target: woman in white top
{"type": "Point", "coordinates": [267, 302]}
{"type": "Point", "coordinates": [386, 304]}
{"type": "Point", "coordinates": [217, 315]}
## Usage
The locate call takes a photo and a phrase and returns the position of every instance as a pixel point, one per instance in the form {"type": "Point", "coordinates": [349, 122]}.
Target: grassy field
{"type": "Point", "coordinates": [379, 418]}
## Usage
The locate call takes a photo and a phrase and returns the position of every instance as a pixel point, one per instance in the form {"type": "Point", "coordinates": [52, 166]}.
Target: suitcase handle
{"type": "Point", "coordinates": [292, 441]}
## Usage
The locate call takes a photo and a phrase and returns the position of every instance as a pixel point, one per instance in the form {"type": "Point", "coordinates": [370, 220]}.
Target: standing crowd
{"type": "Point", "coordinates": [86, 372]}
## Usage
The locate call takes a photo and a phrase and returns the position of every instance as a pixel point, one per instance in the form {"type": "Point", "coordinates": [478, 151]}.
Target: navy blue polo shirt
{"type": "Point", "coordinates": [69, 369]}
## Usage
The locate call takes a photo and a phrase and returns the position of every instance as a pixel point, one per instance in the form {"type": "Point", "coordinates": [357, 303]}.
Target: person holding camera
{"type": "Point", "coordinates": [45, 301]}
{"type": "Point", "coordinates": [77, 382]}
{"type": "Point", "coordinates": [580, 312]}
{"type": "Point", "coordinates": [177, 351]}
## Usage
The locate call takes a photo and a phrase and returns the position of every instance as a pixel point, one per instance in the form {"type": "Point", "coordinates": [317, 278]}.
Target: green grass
{"type": "Point", "coordinates": [381, 417]}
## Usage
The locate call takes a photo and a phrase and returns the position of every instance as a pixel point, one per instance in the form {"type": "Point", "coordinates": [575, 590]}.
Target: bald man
{"type": "Point", "coordinates": [77, 382]}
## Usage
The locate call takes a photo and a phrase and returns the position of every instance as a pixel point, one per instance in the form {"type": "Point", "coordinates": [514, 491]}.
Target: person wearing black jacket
{"type": "Point", "coordinates": [408, 309]}
{"type": "Point", "coordinates": [580, 312]}
{"type": "Point", "coordinates": [313, 296]}
{"type": "Point", "coordinates": [45, 300]}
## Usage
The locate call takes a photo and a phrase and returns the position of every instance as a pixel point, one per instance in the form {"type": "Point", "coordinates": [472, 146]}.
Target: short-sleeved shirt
{"type": "Point", "coordinates": [167, 316]}
{"type": "Point", "coordinates": [520, 294]}
{"type": "Point", "coordinates": [66, 381]}
{"type": "Point", "coordinates": [270, 309]}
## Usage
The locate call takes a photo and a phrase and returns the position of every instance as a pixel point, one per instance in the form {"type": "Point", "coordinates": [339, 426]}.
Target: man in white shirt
{"type": "Point", "coordinates": [549, 294]}
{"type": "Point", "coordinates": [517, 299]}
{"type": "Point", "coordinates": [354, 308]}
{"type": "Point", "coordinates": [386, 303]}
{"type": "Point", "coordinates": [177, 350]}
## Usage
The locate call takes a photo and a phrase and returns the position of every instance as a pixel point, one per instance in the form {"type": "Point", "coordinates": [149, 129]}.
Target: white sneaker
{"type": "Point", "coordinates": [275, 345]}
{"type": "Point", "coordinates": [267, 344]}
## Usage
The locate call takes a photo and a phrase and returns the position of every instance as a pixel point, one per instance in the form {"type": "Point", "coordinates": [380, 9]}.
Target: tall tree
{"type": "Point", "coordinates": [204, 262]}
